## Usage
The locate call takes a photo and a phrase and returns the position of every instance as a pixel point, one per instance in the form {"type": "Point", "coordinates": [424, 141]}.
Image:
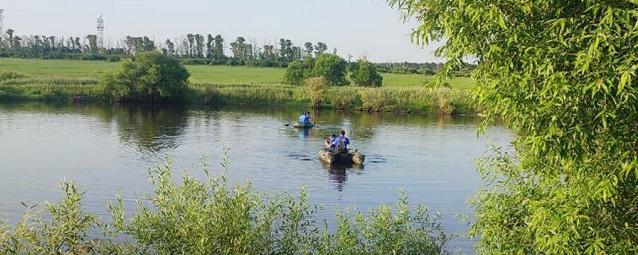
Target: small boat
{"type": "Point", "coordinates": [303, 125]}
{"type": "Point", "coordinates": [353, 157]}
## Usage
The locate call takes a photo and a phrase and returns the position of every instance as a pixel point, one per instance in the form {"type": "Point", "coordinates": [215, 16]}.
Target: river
{"type": "Point", "coordinates": [109, 149]}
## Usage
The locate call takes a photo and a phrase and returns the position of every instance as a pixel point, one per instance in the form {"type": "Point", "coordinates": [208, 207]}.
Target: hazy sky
{"type": "Point", "coordinates": [356, 27]}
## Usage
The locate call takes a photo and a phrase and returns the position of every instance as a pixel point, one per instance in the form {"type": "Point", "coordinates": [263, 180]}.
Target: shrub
{"type": "Point", "coordinates": [316, 89]}
{"type": "Point", "coordinates": [365, 74]}
{"type": "Point", "coordinates": [295, 73]}
{"type": "Point", "coordinates": [151, 76]}
{"type": "Point", "coordinates": [332, 68]}
{"type": "Point", "coordinates": [209, 217]}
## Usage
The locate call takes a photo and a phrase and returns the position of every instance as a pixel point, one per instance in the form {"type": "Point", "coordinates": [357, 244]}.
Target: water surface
{"type": "Point", "coordinates": [108, 149]}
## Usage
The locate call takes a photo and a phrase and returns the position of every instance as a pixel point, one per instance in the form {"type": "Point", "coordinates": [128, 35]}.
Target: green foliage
{"type": "Point", "coordinates": [151, 76]}
{"type": "Point", "coordinates": [210, 217]}
{"type": "Point", "coordinates": [332, 68]}
{"type": "Point", "coordinates": [316, 90]}
{"type": "Point", "coordinates": [296, 73]}
{"type": "Point", "coordinates": [66, 232]}
{"type": "Point", "coordinates": [365, 74]}
{"type": "Point", "coordinates": [562, 75]}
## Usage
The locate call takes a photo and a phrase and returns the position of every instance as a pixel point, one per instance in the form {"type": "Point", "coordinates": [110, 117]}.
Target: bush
{"type": "Point", "coordinates": [332, 68]}
{"type": "Point", "coordinates": [209, 217]}
{"type": "Point", "coordinates": [365, 74]}
{"type": "Point", "coordinates": [317, 89]}
{"type": "Point", "coordinates": [151, 76]}
{"type": "Point", "coordinates": [296, 73]}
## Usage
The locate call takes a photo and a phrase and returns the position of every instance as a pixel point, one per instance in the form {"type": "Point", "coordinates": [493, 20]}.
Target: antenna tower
{"type": "Point", "coordinates": [1, 21]}
{"type": "Point", "coordinates": [100, 32]}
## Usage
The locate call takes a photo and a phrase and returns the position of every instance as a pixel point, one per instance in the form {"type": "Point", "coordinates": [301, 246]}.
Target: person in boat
{"type": "Point", "coordinates": [306, 120]}
{"type": "Point", "coordinates": [329, 142]}
{"type": "Point", "coordinates": [302, 119]}
{"type": "Point", "coordinates": [341, 143]}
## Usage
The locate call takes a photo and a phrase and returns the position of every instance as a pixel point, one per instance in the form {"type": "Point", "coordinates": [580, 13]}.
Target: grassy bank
{"type": "Point", "coordinates": [59, 80]}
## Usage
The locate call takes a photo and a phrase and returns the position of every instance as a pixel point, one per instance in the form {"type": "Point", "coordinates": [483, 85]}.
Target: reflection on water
{"type": "Point", "coordinates": [109, 148]}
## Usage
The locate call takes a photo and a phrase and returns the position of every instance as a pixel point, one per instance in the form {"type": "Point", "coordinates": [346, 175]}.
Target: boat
{"type": "Point", "coordinates": [303, 125]}
{"type": "Point", "coordinates": [353, 157]}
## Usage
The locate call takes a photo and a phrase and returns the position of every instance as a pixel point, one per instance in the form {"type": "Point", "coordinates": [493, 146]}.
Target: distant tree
{"type": "Point", "coordinates": [242, 51]}
{"type": "Point", "coordinates": [285, 51]}
{"type": "Point", "coordinates": [218, 49]}
{"type": "Point", "coordinates": [308, 50]}
{"type": "Point", "coordinates": [365, 74]}
{"type": "Point", "coordinates": [331, 67]}
{"type": "Point", "coordinates": [151, 76]}
{"type": "Point", "coordinates": [190, 38]}
{"type": "Point", "coordinates": [10, 34]}
{"type": "Point", "coordinates": [92, 43]}
{"type": "Point", "coordinates": [170, 47]}
{"type": "Point", "coordinates": [267, 55]}
{"type": "Point", "coordinates": [209, 45]}
{"type": "Point", "coordinates": [199, 45]}
{"type": "Point", "coordinates": [320, 48]}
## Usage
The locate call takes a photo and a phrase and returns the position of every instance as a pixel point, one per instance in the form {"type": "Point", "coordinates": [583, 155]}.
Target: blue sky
{"type": "Point", "coordinates": [357, 27]}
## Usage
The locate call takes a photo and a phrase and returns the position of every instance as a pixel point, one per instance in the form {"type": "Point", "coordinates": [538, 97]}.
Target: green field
{"type": "Point", "coordinates": [92, 70]}
{"type": "Point", "coordinates": [62, 80]}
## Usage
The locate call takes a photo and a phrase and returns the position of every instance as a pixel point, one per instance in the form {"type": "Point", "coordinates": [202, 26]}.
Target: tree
{"type": "Point", "coordinates": [151, 76]}
{"type": "Point", "coordinates": [296, 73]}
{"type": "Point", "coordinates": [218, 49]}
{"type": "Point", "coordinates": [316, 90]}
{"type": "Point", "coordinates": [365, 74]}
{"type": "Point", "coordinates": [332, 68]}
{"type": "Point", "coordinates": [562, 76]}
{"type": "Point", "coordinates": [92, 43]}
{"type": "Point", "coordinates": [199, 45]}
{"type": "Point", "coordinates": [10, 34]}
{"type": "Point", "coordinates": [308, 49]}
{"type": "Point", "coordinates": [320, 48]}
{"type": "Point", "coordinates": [209, 45]}
{"type": "Point", "coordinates": [190, 38]}
{"type": "Point", "coordinates": [170, 47]}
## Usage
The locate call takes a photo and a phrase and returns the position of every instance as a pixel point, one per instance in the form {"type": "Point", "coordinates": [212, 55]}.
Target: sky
{"type": "Point", "coordinates": [360, 28]}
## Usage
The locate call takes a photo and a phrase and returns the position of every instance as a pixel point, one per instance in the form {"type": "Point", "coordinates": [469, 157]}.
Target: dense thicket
{"type": "Point", "coordinates": [211, 217]}
{"type": "Point", "coordinates": [562, 75]}
{"type": "Point", "coordinates": [150, 76]}
{"type": "Point", "coordinates": [365, 74]}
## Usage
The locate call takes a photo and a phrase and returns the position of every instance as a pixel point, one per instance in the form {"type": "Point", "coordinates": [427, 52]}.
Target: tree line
{"type": "Point", "coordinates": [192, 49]}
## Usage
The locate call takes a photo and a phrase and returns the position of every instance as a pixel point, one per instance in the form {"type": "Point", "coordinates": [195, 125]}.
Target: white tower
{"type": "Point", "coordinates": [100, 32]}
{"type": "Point", "coordinates": [1, 21]}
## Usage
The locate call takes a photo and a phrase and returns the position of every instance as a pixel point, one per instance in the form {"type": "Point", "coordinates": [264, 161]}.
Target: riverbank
{"type": "Point", "coordinates": [68, 81]}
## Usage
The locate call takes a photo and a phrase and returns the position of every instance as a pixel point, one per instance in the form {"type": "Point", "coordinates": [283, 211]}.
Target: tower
{"type": "Point", "coordinates": [100, 32]}
{"type": "Point", "coordinates": [1, 21]}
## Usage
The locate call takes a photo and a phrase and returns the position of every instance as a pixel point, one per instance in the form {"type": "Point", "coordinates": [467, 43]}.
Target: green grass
{"type": "Point", "coordinates": [61, 80]}
{"type": "Point", "coordinates": [74, 69]}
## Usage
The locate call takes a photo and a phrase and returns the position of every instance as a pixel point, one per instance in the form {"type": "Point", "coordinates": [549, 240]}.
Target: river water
{"type": "Point", "coordinates": [109, 149]}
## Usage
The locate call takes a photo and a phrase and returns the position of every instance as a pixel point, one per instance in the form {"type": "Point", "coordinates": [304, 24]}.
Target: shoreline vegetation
{"type": "Point", "coordinates": [78, 81]}
{"type": "Point", "coordinates": [209, 216]}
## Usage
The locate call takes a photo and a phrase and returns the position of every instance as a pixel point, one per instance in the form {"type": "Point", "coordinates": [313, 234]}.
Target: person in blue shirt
{"type": "Point", "coordinates": [306, 119]}
{"type": "Point", "coordinates": [329, 142]}
{"type": "Point", "coordinates": [341, 143]}
{"type": "Point", "coordinates": [302, 118]}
